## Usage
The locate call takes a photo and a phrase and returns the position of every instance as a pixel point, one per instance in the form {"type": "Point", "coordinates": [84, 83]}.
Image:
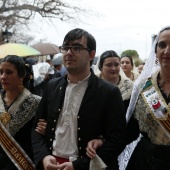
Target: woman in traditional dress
{"type": "Point", "coordinates": [109, 70]}
{"type": "Point", "coordinates": [151, 96]}
{"type": "Point", "coordinates": [128, 67]}
{"type": "Point", "coordinates": [17, 110]}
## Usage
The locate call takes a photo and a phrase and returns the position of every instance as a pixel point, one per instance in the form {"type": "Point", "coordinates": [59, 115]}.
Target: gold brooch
{"type": "Point", "coordinates": [5, 118]}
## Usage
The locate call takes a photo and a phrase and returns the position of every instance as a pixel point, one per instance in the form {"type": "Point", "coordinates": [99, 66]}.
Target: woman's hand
{"type": "Point", "coordinates": [41, 126]}
{"type": "Point", "coordinates": [92, 147]}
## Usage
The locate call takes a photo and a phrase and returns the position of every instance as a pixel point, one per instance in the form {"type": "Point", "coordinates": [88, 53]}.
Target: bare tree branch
{"type": "Point", "coordinates": [17, 13]}
{"type": "Point", "coordinates": [46, 8]}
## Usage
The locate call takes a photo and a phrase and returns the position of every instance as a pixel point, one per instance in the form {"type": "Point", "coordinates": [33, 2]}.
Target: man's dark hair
{"type": "Point", "coordinates": [77, 34]}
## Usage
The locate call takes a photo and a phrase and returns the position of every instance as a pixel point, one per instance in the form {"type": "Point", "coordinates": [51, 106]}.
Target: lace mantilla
{"type": "Point", "coordinates": [22, 110]}
{"type": "Point", "coordinates": [125, 86]}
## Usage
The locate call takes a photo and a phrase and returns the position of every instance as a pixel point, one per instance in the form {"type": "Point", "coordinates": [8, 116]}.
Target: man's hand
{"type": "Point", "coordinates": [65, 166]}
{"type": "Point", "coordinates": [50, 163]}
{"type": "Point", "coordinates": [92, 146]}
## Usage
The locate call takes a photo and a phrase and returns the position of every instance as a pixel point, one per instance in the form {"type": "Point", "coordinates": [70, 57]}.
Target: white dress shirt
{"type": "Point", "coordinates": [65, 142]}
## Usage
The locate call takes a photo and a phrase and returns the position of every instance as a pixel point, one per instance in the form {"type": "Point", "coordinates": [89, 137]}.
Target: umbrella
{"type": "Point", "coordinates": [46, 48]}
{"type": "Point", "coordinates": [21, 50]}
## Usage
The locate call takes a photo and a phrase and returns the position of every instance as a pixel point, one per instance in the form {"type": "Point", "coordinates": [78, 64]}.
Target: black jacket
{"type": "Point", "coordinates": [101, 113]}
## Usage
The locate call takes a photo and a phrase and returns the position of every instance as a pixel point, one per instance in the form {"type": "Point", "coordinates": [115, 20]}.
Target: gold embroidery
{"type": "Point", "coordinates": [158, 107]}
{"type": "Point", "coordinates": [5, 118]}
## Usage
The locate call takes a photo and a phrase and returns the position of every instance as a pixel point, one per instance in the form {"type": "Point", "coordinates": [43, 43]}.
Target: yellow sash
{"type": "Point", "coordinates": [14, 151]}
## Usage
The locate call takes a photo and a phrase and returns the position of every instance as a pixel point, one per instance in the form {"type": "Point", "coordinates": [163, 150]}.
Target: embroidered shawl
{"type": "Point", "coordinates": [21, 111]}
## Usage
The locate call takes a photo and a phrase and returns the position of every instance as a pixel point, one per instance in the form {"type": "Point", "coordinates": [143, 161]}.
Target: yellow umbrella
{"type": "Point", "coordinates": [21, 50]}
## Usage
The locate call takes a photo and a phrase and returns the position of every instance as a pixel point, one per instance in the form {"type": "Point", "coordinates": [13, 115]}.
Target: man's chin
{"type": "Point", "coordinates": [71, 69]}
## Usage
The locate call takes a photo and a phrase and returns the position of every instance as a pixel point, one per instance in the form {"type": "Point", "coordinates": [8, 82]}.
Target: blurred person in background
{"type": "Point", "coordinates": [42, 73]}
{"type": "Point", "coordinates": [128, 67]}
{"type": "Point", "coordinates": [140, 67]}
{"type": "Point", "coordinates": [30, 61]}
{"type": "Point", "coordinates": [61, 68]}
{"type": "Point", "coordinates": [30, 84]}
{"type": "Point", "coordinates": [57, 64]}
{"type": "Point", "coordinates": [49, 59]}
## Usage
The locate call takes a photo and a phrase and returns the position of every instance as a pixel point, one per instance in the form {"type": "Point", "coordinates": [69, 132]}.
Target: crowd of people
{"type": "Point", "coordinates": [109, 116]}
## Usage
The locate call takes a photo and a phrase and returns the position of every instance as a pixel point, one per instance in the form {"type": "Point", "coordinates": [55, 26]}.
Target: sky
{"type": "Point", "coordinates": [120, 24]}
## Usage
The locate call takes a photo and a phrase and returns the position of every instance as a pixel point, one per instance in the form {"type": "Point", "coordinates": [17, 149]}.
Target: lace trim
{"type": "Point", "coordinates": [22, 110]}
{"type": "Point", "coordinates": [125, 86]}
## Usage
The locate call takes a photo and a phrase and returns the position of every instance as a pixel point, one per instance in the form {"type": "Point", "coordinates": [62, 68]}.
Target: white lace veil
{"type": "Point", "coordinates": [151, 65]}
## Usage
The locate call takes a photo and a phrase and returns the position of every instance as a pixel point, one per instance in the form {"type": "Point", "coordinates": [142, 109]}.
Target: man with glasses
{"type": "Point", "coordinates": [78, 108]}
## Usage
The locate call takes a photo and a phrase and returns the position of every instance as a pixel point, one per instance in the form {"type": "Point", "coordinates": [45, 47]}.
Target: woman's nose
{"type": "Point", "coordinates": [167, 50]}
{"type": "Point", "coordinates": [2, 75]}
{"type": "Point", "coordinates": [113, 67]}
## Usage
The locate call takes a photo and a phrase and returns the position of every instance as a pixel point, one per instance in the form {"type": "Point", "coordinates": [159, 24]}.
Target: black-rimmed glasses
{"type": "Point", "coordinates": [74, 49]}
